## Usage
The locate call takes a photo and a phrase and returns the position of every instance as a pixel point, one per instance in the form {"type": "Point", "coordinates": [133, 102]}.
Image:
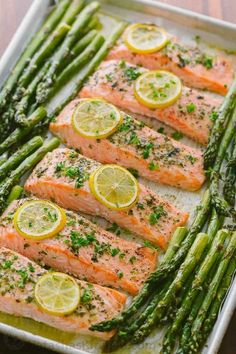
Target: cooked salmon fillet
{"type": "Point", "coordinates": [190, 114]}
{"type": "Point", "coordinates": [167, 161]}
{"type": "Point", "coordinates": [62, 176]}
{"type": "Point", "coordinates": [84, 250]}
{"type": "Point", "coordinates": [18, 276]}
{"type": "Point", "coordinates": [196, 68]}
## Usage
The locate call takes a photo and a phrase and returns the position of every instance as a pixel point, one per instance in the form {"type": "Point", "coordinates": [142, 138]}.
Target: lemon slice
{"type": "Point", "coordinates": [144, 38]}
{"type": "Point", "coordinates": [95, 118]}
{"type": "Point", "coordinates": [157, 89]}
{"type": "Point", "coordinates": [114, 187]}
{"type": "Point", "coordinates": [39, 219]}
{"type": "Point", "coordinates": [57, 293]}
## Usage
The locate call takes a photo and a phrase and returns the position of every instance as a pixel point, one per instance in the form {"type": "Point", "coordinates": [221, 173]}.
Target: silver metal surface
{"type": "Point", "coordinates": [215, 31]}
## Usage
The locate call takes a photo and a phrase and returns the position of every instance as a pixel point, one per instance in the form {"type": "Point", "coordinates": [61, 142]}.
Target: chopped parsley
{"type": "Point", "coordinates": [158, 212]}
{"type": "Point", "coordinates": [191, 107]}
{"type": "Point", "coordinates": [153, 166]}
{"type": "Point", "coordinates": [87, 296]}
{"type": "Point", "coordinates": [132, 73]}
{"type": "Point", "coordinates": [177, 135]}
{"type": "Point", "coordinates": [213, 116]}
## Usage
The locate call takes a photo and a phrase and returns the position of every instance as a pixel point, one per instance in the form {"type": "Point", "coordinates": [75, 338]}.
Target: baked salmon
{"type": "Point", "coordinates": [190, 114]}
{"type": "Point", "coordinates": [167, 161]}
{"type": "Point", "coordinates": [84, 250]}
{"type": "Point", "coordinates": [196, 68]}
{"type": "Point", "coordinates": [18, 278]}
{"type": "Point", "coordinates": [62, 176]}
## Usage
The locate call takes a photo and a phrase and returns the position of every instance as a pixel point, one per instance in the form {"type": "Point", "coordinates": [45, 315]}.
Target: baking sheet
{"type": "Point", "coordinates": [221, 35]}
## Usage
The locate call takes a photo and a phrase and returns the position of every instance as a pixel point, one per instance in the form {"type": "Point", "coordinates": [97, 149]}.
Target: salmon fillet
{"type": "Point", "coordinates": [62, 176]}
{"type": "Point", "coordinates": [191, 64]}
{"type": "Point", "coordinates": [18, 278]}
{"type": "Point", "coordinates": [167, 161]}
{"type": "Point", "coordinates": [84, 250]}
{"type": "Point", "coordinates": [190, 114]}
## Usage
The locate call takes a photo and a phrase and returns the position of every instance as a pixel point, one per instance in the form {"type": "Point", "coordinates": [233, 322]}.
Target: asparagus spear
{"type": "Point", "coordinates": [219, 126]}
{"type": "Point", "coordinates": [101, 54]}
{"type": "Point", "coordinates": [3, 158]}
{"type": "Point", "coordinates": [175, 243]}
{"type": "Point", "coordinates": [34, 44]}
{"type": "Point", "coordinates": [213, 288]}
{"type": "Point", "coordinates": [182, 275]}
{"type": "Point", "coordinates": [123, 336]}
{"type": "Point", "coordinates": [38, 115]}
{"type": "Point", "coordinates": [219, 202]}
{"type": "Point", "coordinates": [202, 273]}
{"type": "Point", "coordinates": [162, 272]}
{"type": "Point", "coordinates": [24, 167]}
{"type": "Point", "coordinates": [22, 106]}
{"type": "Point", "coordinates": [16, 193]}
{"type": "Point", "coordinates": [73, 35]}
{"type": "Point", "coordinates": [183, 345]}
{"type": "Point", "coordinates": [20, 155]}
{"type": "Point", "coordinates": [230, 180]}
{"type": "Point", "coordinates": [78, 63]}
{"type": "Point", "coordinates": [45, 51]}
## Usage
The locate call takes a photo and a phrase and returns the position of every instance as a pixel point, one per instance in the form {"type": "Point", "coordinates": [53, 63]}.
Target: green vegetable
{"type": "Point", "coordinates": [19, 156]}
{"type": "Point", "coordinates": [38, 115]}
{"type": "Point", "coordinates": [185, 270]}
{"type": "Point", "coordinates": [24, 167]}
{"type": "Point", "coordinates": [200, 277]}
{"type": "Point", "coordinates": [224, 115]}
{"type": "Point", "coordinates": [64, 50]}
{"type": "Point", "coordinates": [79, 62]}
{"type": "Point", "coordinates": [230, 179]}
{"type": "Point", "coordinates": [15, 194]}
{"type": "Point", "coordinates": [32, 47]}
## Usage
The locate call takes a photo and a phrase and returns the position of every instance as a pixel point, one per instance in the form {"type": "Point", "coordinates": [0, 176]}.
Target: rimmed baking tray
{"type": "Point", "coordinates": [185, 24]}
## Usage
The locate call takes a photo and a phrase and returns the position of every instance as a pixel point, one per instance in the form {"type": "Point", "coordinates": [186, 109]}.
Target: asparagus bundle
{"type": "Point", "coordinates": [123, 336]}
{"type": "Point", "coordinates": [73, 35]}
{"type": "Point", "coordinates": [32, 47]}
{"type": "Point", "coordinates": [212, 293]}
{"type": "Point", "coordinates": [49, 46]}
{"type": "Point", "coordinates": [203, 272]}
{"type": "Point", "coordinates": [24, 167]}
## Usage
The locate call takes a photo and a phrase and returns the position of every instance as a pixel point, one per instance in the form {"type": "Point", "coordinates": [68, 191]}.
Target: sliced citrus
{"type": "Point", "coordinates": [39, 219]}
{"type": "Point", "coordinates": [145, 38]}
{"type": "Point", "coordinates": [157, 89]}
{"type": "Point", "coordinates": [114, 187]}
{"type": "Point", "coordinates": [95, 118]}
{"type": "Point", "coordinates": [57, 293]}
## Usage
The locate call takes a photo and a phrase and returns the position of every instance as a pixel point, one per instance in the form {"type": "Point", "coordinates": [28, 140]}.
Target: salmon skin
{"type": "Point", "coordinates": [62, 176]}
{"type": "Point", "coordinates": [196, 68]}
{"type": "Point", "coordinates": [166, 161]}
{"type": "Point", "coordinates": [84, 250]}
{"type": "Point", "coordinates": [18, 278]}
{"type": "Point", "coordinates": [190, 114]}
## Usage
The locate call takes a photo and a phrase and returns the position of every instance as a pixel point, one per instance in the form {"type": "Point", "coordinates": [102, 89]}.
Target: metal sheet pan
{"type": "Point", "coordinates": [185, 24]}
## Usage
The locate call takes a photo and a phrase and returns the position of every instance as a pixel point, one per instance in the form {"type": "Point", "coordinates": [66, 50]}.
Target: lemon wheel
{"type": "Point", "coordinates": [114, 187]}
{"type": "Point", "coordinates": [57, 293]}
{"type": "Point", "coordinates": [39, 219]}
{"type": "Point", "coordinates": [157, 89]}
{"type": "Point", "coordinates": [96, 118]}
{"type": "Point", "coordinates": [145, 38]}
